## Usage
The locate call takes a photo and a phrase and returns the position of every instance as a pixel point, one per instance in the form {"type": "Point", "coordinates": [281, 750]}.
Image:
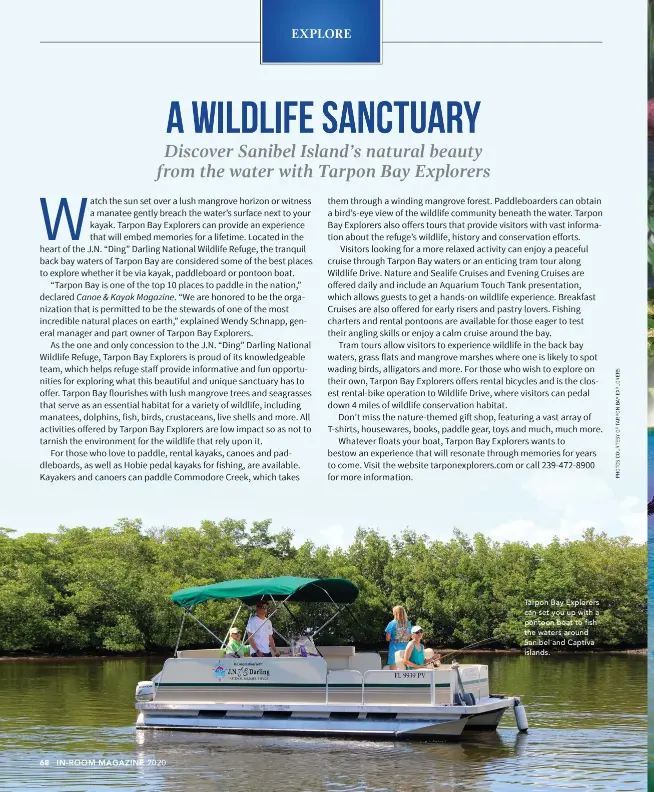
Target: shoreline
{"type": "Point", "coordinates": [155, 655]}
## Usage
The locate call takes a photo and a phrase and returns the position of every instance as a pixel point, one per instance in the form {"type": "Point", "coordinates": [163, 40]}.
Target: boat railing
{"type": "Point", "coordinates": [350, 671]}
{"type": "Point", "coordinates": [432, 684]}
{"type": "Point", "coordinates": [363, 687]}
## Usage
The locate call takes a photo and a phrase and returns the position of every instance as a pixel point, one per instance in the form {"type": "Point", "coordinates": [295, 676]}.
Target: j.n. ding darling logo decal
{"type": "Point", "coordinates": [248, 672]}
{"type": "Point", "coordinates": [245, 671]}
{"type": "Point", "coordinates": [242, 672]}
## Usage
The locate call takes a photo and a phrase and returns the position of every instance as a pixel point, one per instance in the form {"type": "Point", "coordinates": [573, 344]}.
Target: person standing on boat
{"type": "Point", "coordinates": [398, 634]}
{"type": "Point", "coordinates": [414, 654]}
{"type": "Point", "coordinates": [260, 633]}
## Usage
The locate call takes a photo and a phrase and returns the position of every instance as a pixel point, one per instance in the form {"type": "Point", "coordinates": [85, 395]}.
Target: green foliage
{"type": "Point", "coordinates": [108, 589]}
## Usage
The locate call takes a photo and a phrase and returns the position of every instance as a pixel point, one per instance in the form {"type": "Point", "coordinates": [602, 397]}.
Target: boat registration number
{"type": "Point", "coordinates": [410, 675]}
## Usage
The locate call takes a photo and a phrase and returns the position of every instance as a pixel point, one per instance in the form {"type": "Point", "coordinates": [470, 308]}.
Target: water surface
{"type": "Point", "coordinates": [587, 715]}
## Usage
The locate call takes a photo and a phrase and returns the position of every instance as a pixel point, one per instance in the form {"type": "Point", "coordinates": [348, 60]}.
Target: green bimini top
{"type": "Point", "coordinates": [294, 589]}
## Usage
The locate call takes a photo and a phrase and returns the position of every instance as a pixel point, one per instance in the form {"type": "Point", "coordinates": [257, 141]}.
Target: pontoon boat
{"type": "Point", "coordinates": [311, 689]}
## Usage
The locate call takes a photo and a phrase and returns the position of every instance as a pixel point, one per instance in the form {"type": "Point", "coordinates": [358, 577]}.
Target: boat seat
{"type": "Point", "coordinates": [365, 661]}
{"type": "Point", "coordinates": [399, 657]}
{"type": "Point", "coordinates": [337, 657]}
{"type": "Point", "coordinates": [336, 651]}
{"type": "Point", "coordinates": [201, 653]}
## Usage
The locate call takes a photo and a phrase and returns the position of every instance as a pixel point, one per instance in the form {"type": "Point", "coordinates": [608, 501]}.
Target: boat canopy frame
{"type": "Point", "coordinates": [337, 591]}
{"type": "Point", "coordinates": [293, 589]}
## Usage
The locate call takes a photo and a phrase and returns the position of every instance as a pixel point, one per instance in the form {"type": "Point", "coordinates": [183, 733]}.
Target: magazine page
{"type": "Point", "coordinates": [324, 399]}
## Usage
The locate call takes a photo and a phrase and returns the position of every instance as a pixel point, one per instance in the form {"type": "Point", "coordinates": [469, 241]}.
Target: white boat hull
{"type": "Point", "coordinates": [369, 722]}
{"type": "Point", "coordinates": [368, 727]}
{"type": "Point", "coordinates": [304, 696]}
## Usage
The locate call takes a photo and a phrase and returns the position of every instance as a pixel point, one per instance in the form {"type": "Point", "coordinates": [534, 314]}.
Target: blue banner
{"type": "Point", "coordinates": [321, 31]}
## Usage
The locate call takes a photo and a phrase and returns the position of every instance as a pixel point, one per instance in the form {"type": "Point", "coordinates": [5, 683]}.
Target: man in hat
{"type": "Point", "coordinates": [260, 633]}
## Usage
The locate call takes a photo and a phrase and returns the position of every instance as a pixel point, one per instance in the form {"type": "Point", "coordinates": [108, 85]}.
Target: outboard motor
{"type": "Point", "coordinates": [462, 699]}
{"type": "Point", "coordinates": [145, 691]}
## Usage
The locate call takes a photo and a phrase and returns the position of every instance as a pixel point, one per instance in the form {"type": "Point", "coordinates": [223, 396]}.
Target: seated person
{"type": "Point", "coordinates": [414, 654]}
{"type": "Point", "coordinates": [234, 646]}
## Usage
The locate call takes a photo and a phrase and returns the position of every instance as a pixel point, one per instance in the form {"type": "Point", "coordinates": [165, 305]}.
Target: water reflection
{"type": "Point", "coordinates": [587, 716]}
